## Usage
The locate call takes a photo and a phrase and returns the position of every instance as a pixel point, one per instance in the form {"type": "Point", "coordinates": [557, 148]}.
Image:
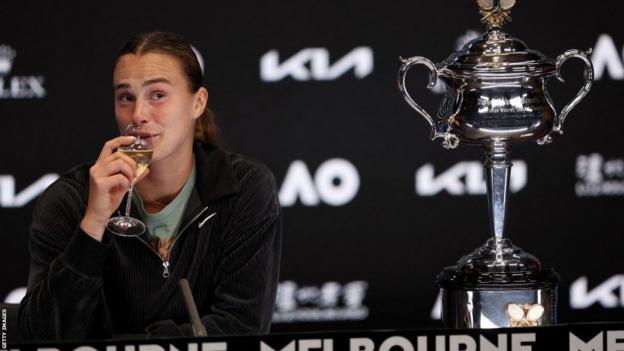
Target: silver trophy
{"type": "Point", "coordinates": [496, 95]}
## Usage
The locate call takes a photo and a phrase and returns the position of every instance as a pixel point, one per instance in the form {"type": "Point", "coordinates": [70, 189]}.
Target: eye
{"type": "Point", "coordinates": [125, 98]}
{"type": "Point", "coordinates": [158, 95]}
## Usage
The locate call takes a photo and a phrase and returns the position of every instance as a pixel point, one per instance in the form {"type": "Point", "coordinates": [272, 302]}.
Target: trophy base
{"type": "Point", "coordinates": [498, 300]}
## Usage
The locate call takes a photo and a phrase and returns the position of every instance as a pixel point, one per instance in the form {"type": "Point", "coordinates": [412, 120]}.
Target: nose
{"type": "Point", "coordinates": [139, 114]}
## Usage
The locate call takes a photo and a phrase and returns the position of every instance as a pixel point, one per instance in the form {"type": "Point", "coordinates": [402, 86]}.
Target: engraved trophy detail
{"type": "Point", "coordinates": [496, 96]}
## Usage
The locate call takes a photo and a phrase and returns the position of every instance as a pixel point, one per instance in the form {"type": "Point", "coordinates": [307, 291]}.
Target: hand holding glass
{"type": "Point", "coordinates": [141, 152]}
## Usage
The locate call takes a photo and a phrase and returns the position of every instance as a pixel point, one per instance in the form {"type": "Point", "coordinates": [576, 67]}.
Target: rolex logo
{"type": "Point", "coordinates": [18, 86]}
{"type": "Point", "coordinates": [7, 55]}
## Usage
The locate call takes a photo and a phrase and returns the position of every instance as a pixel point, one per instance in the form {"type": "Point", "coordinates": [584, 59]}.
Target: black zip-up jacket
{"type": "Point", "coordinates": [228, 248]}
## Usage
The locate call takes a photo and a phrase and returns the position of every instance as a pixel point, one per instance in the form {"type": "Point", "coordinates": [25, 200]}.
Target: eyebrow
{"type": "Point", "coordinates": [146, 83]}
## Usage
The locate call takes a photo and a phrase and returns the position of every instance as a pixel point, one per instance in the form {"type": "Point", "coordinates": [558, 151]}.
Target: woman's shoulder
{"type": "Point", "coordinates": [255, 179]}
{"type": "Point", "coordinates": [252, 173]}
{"type": "Point", "coordinates": [74, 182]}
{"type": "Point", "coordinates": [77, 177]}
{"type": "Point", "coordinates": [66, 197]}
{"type": "Point", "coordinates": [247, 167]}
{"type": "Point", "coordinates": [224, 173]}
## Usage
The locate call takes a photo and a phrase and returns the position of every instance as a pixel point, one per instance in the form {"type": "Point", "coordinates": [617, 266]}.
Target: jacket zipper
{"type": "Point", "coordinates": [165, 263]}
{"type": "Point", "coordinates": [166, 269]}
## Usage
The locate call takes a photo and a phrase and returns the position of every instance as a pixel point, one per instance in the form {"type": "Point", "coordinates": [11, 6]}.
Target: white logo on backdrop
{"type": "Point", "coordinates": [606, 59]}
{"type": "Point", "coordinates": [464, 178]}
{"type": "Point", "coordinates": [331, 301]}
{"type": "Point", "coordinates": [17, 87]}
{"type": "Point", "coordinates": [436, 311]}
{"type": "Point", "coordinates": [314, 64]}
{"type": "Point", "coordinates": [336, 182]}
{"type": "Point", "coordinates": [599, 177]}
{"type": "Point", "coordinates": [608, 294]}
{"type": "Point", "coordinates": [7, 55]}
{"type": "Point", "coordinates": [8, 197]}
{"type": "Point", "coordinates": [463, 39]}
{"type": "Point", "coordinates": [16, 295]}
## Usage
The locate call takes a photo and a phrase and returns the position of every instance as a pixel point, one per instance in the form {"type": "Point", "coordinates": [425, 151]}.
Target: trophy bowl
{"type": "Point", "coordinates": [496, 91]}
{"type": "Point", "coordinates": [496, 95]}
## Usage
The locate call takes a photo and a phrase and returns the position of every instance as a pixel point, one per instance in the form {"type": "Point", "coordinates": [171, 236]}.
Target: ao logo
{"type": "Point", "coordinates": [335, 182]}
{"type": "Point", "coordinates": [464, 178]}
{"type": "Point", "coordinates": [8, 197]}
{"type": "Point", "coordinates": [606, 293]}
{"type": "Point", "coordinates": [606, 57]}
{"type": "Point", "coordinates": [313, 64]}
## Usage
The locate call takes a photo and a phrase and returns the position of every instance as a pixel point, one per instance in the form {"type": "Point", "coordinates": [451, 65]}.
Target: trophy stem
{"type": "Point", "coordinates": [498, 169]}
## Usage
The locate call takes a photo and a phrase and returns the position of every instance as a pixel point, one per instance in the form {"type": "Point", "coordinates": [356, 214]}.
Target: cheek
{"type": "Point", "coordinates": [122, 120]}
{"type": "Point", "coordinates": [123, 114]}
{"type": "Point", "coordinates": [177, 113]}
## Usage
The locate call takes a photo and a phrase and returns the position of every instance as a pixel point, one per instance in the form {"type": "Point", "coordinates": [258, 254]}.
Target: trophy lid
{"type": "Point", "coordinates": [496, 52]}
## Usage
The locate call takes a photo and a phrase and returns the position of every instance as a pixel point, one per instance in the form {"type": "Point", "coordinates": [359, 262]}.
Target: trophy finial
{"type": "Point", "coordinates": [495, 12]}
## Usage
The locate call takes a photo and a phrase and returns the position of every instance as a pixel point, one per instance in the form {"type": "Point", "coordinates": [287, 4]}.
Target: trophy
{"type": "Point", "coordinates": [496, 96]}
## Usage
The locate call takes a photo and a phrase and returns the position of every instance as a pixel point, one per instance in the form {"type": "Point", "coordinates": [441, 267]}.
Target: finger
{"type": "Point", "coordinates": [118, 182]}
{"type": "Point", "coordinates": [119, 166]}
{"type": "Point", "coordinates": [112, 145]}
{"type": "Point", "coordinates": [118, 157]}
{"type": "Point", "coordinates": [125, 158]}
{"type": "Point", "coordinates": [114, 184]}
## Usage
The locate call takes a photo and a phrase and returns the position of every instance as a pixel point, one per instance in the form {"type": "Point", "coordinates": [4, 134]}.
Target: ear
{"type": "Point", "coordinates": [200, 102]}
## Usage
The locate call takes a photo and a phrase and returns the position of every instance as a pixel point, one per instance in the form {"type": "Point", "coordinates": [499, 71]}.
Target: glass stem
{"type": "Point", "coordinates": [129, 201]}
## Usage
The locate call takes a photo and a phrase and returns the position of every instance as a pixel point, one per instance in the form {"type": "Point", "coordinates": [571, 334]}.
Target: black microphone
{"type": "Point", "coordinates": [198, 327]}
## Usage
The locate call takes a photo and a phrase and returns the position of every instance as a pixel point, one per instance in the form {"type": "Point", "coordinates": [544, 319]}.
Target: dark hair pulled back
{"type": "Point", "coordinates": [173, 44]}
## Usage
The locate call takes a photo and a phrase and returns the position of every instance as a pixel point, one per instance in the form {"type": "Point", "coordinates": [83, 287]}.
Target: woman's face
{"type": "Point", "coordinates": [152, 91]}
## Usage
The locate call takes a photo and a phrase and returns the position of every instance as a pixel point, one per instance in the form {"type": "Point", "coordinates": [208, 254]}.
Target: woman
{"type": "Point", "coordinates": [212, 217]}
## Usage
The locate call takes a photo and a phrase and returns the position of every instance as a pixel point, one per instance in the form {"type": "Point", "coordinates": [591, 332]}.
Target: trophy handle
{"type": "Point", "coordinates": [589, 70]}
{"type": "Point", "coordinates": [450, 141]}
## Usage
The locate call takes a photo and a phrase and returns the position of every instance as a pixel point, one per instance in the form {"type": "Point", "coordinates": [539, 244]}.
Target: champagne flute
{"type": "Point", "coordinates": [141, 152]}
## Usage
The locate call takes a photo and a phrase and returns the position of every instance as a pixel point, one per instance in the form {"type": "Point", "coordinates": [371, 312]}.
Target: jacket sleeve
{"type": "Point", "coordinates": [64, 299]}
{"type": "Point", "coordinates": [247, 274]}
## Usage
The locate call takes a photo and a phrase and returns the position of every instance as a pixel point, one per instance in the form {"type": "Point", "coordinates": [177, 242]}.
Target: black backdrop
{"type": "Point", "coordinates": [373, 210]}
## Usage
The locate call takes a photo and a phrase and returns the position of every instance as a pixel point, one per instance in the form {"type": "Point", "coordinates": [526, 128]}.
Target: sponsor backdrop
{"type": "Point", "coordinates": [373, 210]}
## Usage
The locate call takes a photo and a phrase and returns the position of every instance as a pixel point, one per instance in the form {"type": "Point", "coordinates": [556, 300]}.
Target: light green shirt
{"type": "Point", "coordinates": [166, 223]}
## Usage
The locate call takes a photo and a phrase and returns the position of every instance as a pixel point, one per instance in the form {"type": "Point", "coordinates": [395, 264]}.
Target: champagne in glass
{"type": "Point", "coordinates": [141, 157]}
{"type": "Point", "coordinates": [141, 152]}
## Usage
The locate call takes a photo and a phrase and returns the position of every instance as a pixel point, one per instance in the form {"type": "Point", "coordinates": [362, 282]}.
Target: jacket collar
{"type": "Point", "coordinates": [215, 175]}
{"type": "Point", "coordinates": [215, 179]}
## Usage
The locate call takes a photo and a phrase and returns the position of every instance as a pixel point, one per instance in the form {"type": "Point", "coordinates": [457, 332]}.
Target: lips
{"type": "Point", "coordinates": [144, 135]}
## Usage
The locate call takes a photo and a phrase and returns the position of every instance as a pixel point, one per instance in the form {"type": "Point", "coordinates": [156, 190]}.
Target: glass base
{"type": "Point", "coordinates": [125, 226]}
